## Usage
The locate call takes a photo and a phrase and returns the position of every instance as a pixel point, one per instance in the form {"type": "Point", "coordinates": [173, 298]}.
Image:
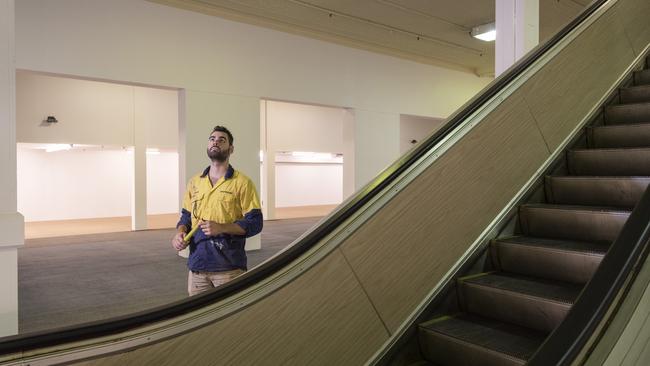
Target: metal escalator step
{"type": "Point", "coordinates": [562, 260]}
{"type": "Point", "coordinates": [627, 113]}
{"type": "Point", "coordinates": [642, 77]}
{"type": "Point", "coordinates": [614, 136]}
{"type": "Point", "coordinates": [610, 191]}
{"type": "Point", "coordinates": [530, 302]}
{"type": "Point", "coordinates": [635, 94]}
{"type": "Point", "coordinates": [609, 162]}
{"type": "Point", "coordinates": [580, 223]}
{"type": "Point", "coordinates": [471, 340]}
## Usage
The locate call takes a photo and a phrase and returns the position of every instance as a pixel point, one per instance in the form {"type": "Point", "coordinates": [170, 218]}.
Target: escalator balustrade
{"type": "Point", "coordinates": [506, 314]}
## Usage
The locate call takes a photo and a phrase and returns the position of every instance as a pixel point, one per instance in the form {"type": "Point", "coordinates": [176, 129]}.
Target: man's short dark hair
{"type": "Point", "coordinates": [224, 130]}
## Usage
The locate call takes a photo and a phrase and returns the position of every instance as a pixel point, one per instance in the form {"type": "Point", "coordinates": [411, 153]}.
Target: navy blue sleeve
{"type": "Point", "coordinates": [186, 220]}
{"type": "Point", "coordinates": [252, 222]}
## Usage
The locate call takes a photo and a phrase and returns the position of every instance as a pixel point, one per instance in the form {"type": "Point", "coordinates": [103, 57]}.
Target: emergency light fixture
{"type": "Point", "coordinates": [485, 32]}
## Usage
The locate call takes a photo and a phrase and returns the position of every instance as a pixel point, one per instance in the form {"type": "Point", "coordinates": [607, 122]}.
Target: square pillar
{"type": "Point", "coordinates": [517, 25]}
{"type": "Point", "coordinates": [11, 222]}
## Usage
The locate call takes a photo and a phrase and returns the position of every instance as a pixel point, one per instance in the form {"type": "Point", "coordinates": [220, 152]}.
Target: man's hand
{"type": "Point", "coordinates": [211, 228]}
{"type": "Point", "coordinates": [178, 241]}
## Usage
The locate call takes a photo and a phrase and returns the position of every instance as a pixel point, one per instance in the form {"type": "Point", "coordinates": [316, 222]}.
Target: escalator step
{"type": "Point", "coordinates": [609, 162]}
{"type": "Point", "coordinates": [526, 301]}
{"type": "Point", "coordinates": [471, 340]}
{"type": "Point", "coordinates": [568, 261]}
{"type": "Point", "coordinates": [614, 136]}
{"type": "Point", "coordinates": [627, 113]}
{"type": "Point", "coordinates": [622, 192]}
{"type": "Point", "coordinates": [635, 94]}
{"type": "Point", "coordinates": [580, 223]}
{"type": "Point", "coordinates": [642, 77]}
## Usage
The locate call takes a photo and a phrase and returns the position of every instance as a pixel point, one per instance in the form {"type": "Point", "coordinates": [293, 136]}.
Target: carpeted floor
{"type": "Point", "coordinates": [76, 279]}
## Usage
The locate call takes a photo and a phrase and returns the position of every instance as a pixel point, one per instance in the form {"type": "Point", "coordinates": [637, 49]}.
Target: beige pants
{"type": "Point", "coordinates": [198, 282]}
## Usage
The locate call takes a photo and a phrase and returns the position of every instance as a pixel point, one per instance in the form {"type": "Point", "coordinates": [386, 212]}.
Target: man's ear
{"type": "Point", "coordinates": [232, 149]}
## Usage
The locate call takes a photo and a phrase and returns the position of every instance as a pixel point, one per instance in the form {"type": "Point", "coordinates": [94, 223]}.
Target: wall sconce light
{"type": "Point", "coordinates": [485, 32]}
{"type": "Point", "coordinates": [51, 119]}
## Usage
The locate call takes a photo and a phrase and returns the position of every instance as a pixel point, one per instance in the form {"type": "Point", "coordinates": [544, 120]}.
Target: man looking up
{"type": "Point", "coordinates": [223, 207]}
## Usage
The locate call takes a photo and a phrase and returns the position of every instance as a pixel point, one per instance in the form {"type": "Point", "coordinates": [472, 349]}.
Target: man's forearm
{"type": "Point", "coordinates": [232, 229]}
{"type": "Point", "coordinates": [211, 228]}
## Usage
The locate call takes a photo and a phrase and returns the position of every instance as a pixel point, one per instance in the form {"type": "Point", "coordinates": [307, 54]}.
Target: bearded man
{"type": "Point", "coordinates": [220, 210]}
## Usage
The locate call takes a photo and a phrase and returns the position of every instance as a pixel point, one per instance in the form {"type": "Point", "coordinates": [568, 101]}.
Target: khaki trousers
{"type": "Point", "coordinates": [198, 282]}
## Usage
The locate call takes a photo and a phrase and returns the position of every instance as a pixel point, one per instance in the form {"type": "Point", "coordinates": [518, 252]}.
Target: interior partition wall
{"type": "Point", "coordinates": [93, 149]}
{"type": "Point", "coordinates": [307, 158]}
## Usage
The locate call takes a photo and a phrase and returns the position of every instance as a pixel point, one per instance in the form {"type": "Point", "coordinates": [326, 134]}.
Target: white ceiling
{"type": "Point", "coordinates": [428, 31]}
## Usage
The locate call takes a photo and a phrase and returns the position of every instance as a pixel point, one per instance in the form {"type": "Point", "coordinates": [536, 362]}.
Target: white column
{"type": "Point", "coordinates": [182, 155]}
{"type": "Point", "coordinates": [348, 153]}
{"type": "Point", "coordinates": [517, 25]}
{"type": "Point", "coordinates": [11, 222]}
{"type": "Point", "coordinates": [266, 159]}
{"type": "Point", "coordinates": [269, 165]}
{"type": "Point", "coordinates": [139, 194]}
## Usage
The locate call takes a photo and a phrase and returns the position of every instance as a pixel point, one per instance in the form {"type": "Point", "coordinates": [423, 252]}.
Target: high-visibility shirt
{"type": "Point", "coordinates": [232, 199]}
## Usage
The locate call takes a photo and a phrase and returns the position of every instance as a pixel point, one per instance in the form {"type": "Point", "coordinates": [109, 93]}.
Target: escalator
{"type": "Point", "coordinates": [357, 287]}
{"type": "Point", "coordinates": [537, 274]}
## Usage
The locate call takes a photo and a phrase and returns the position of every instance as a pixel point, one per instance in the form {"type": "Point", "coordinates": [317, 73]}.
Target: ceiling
{"type": "Point", "coordinates": [427, 31]}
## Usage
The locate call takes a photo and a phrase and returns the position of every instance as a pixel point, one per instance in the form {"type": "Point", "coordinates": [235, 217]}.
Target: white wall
{"type": "Point", "coordinates": [92, 112]}
{"type": "Point", "coordinates": [73, 184]}
{"type": "Point", "coordinates": [88, 112]}
{"type": "Point", "coordinates": [96, 113]}
{"type": "Point", "coordinates": [416, 128]}
{"type": "Point", "coordinates": [308, 184]}
{"type": "Point", "coordinates": [301, 127]}
{"type": "Point", "coordinates": [241, 116]}
{"type": "Point", "coordinates": [218, 60]}
{"type": "Point", "coordinates": [376, 143]}
{"type": "Point", "coordinates": [78, 184]}
{"type": "Point", "coordinates": [162, 183]}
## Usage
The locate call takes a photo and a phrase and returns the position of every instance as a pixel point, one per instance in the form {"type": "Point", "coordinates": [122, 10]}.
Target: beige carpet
{"type": "Point", "coordinates": [47, 229]}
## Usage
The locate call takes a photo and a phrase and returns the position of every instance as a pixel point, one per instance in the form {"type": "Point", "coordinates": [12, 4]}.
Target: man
{"type": "Point", "coordinates": [223, 207]}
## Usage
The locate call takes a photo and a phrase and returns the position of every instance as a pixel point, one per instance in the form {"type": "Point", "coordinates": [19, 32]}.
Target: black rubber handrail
{"type": "Point", "coordinates": [624, 258]}
{"type": "Point", "coordinates": [106, 327]}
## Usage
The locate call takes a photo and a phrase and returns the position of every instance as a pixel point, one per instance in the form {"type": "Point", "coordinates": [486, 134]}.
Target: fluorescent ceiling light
{"type": "Point", "coordinates": [153, 151]}
{"type": "Point", "coordinates": [485, 32]}
{"type": "Point", "coordinates": [308, 157]}
{"type": "Point", "coordinates": [57, 147]}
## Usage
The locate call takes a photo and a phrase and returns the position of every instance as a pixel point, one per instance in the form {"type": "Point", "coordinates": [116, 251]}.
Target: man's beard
{"type": "Point", "coordinates": [218, 155]}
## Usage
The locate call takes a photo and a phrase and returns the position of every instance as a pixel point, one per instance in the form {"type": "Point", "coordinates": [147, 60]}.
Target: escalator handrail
{"type": "Point", "coordinates": [19, 343]}
{"type": "Point", "coordinates": [624, 257]}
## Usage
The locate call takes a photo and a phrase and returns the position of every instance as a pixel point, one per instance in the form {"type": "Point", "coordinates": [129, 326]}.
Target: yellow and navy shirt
{"type": "Point", "coordinates": [232, 199]}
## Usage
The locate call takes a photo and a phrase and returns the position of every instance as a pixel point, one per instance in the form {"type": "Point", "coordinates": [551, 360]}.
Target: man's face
{"type": "Point", "coordinates": [219, 148]}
